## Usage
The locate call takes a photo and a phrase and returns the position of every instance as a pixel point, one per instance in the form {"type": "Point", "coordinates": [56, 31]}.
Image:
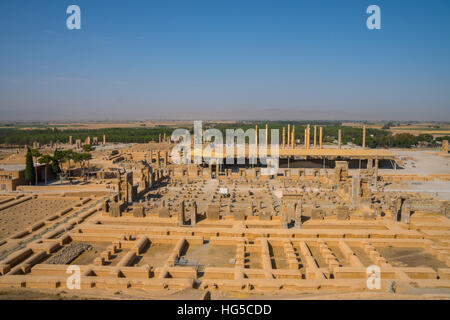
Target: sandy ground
{"type": "Point", "coordinates": [421, 163]}
{"type": "Point", "coordinates": [155, 255]}
{"type": "Point", "coordinates": [193, 294]}
{"type": "Point", "coordinates": [25, 214]}
{"type": "Point", "coordinates": [439, 189]}
{"type": "Point", "coordinates": [410, 257]}
{"type": "Point", "coordinates": [211, 256]}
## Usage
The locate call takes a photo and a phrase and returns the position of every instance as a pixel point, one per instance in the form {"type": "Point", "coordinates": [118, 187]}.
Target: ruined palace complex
{"type": "Point", "coordinates": [137, 220]}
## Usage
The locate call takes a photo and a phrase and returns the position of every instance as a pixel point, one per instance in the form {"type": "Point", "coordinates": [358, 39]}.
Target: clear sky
{"type": "Point", "coordinates": [225, 59]}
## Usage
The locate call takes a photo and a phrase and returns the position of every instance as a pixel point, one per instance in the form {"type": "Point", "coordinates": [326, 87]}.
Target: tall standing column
{"type": "Point", "coordinates": [293, 137]}
{"type": "Point", "coordinates": [364, 137]}
{"type": "Point", "coordinates": [284, 137]}
{"type": "Point", "coordinates": [309, 136]}
{"type": "Point", "coordinates": [315, 134]}
{"type": "Point", "coordinates": [256, 135]}
{"type": "Point", "coordinates": [289, 135]}
{"type": "Point", "coordinates": [306, 138]}
{"type": "Point", "coordinates": [339, 138]}
{"type": "Point", "coordinates": [320, 137]}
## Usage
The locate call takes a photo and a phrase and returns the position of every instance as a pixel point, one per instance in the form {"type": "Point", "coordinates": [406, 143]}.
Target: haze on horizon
{"type": "Point", "coordinates": [225, 60]}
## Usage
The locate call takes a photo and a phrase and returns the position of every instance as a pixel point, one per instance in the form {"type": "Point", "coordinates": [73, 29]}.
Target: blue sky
{"type": "Point", "coordinates": [225, 59]}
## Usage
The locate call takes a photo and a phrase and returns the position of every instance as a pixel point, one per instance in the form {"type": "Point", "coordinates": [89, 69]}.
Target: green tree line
{"type": "Point", "coordinates": [12, 136]}
{"type": "Point", "coordinates": [375, 138]}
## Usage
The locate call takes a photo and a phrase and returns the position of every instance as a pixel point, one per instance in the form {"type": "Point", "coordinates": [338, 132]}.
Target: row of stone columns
{"type": "Point", "coordinates": [266, 135]}
{"type": "Point", "coordinates": [158, 157]}
{"type": "Point", "coordinates": [290, 137]}
{"type": "Point", "coordinates": [163, 138]}
{"type": "Point", "coordinates": [88, 141]}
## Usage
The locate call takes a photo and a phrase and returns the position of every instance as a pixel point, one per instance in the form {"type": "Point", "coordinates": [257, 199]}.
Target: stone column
{"type": "Point", "coordinates": [166, 158]}
{"type": "Point", "coordinates": [306, 138]}
{"type": "Point", "coordinates": [284, 137]}
{"type": "Point", "coordinates": [256, 135]}
{"type": "Point", "coordinates": [158, 156]}
{"type": "Point", "coordinates": [339, 138]}
{"type": "Point", "coordinates": [293, 137]}
{"type": "Point", "coordinates": [289, 135]}
{"type": "Point", "coordinates": [364, 137]}
{"type": "Point", "coordinates": [320, 137]}
{"type": "Point", "coordinates": [315, 134]}
{"type": "Point", "coordinates": [309, 136]}
{"type": "Point", "coordinates": [159, 140]}
{"type": "Point", "coordinates": [104, 139]}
